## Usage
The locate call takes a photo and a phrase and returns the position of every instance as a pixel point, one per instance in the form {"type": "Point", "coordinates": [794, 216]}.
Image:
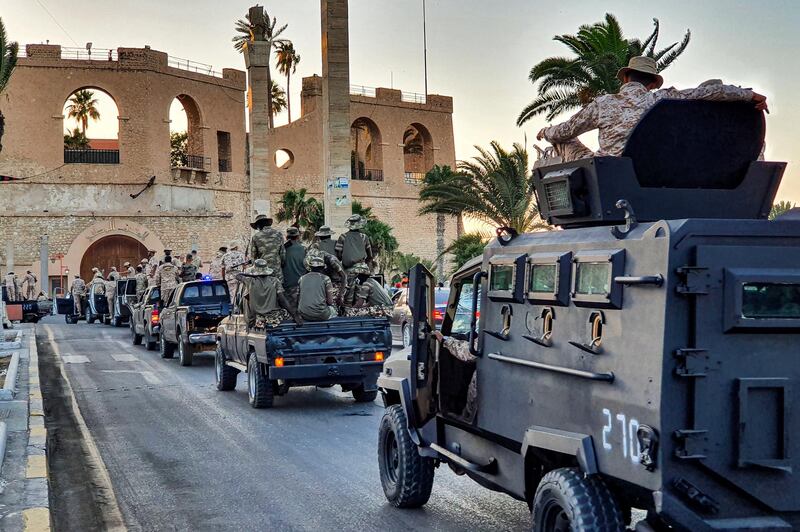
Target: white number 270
{"type": "Point", "coordinates": [629, 446]}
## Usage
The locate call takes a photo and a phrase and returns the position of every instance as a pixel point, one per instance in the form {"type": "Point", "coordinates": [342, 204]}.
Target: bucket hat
{"type": "Point", "coordinates": [646, 65]}
{"type": "Point", "coordinates": [261, 217]}
{"type": "Point", "coordinates": [324, 231]}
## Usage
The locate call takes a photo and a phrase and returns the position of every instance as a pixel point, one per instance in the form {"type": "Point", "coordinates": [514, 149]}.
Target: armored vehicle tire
{"type": "Point", "coordinates": [167, 349]}
{"type": "Point", "coordinates": [260, 391]}
{"type": "Point", "coordinates": [362, 396]}
{"type": "Point", "coordinates": [566, 499]}
{"type": "Point", "coordinates": [136, 339]}
{"type": "Point", "coordinates": [224, 374]}
{"type": "Point", "coordinates": [149, 341]}
{"type": "Point", "coordinates": [185, 354]}
{"type": "Point", "coordinates": [406, 335]}
{"type": "Point", "coordinates": [406, 477]}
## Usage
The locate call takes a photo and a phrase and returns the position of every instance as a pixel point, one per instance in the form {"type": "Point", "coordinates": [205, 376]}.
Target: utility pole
{"type": "Point", "coordinates": [425, 47]}
{"type": "Point", "coordinates": [43, 267]}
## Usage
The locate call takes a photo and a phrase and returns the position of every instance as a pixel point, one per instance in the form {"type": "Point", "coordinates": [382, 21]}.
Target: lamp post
{"type": "Point", "coordinates": [60, 258]}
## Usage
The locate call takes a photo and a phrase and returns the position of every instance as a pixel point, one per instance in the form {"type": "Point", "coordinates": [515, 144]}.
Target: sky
{"type": "Point", "coordinates": [479, 51]}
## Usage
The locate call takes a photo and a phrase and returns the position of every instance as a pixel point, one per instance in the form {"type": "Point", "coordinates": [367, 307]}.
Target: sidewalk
{"type": "Point", "coordinates": [24, 494]}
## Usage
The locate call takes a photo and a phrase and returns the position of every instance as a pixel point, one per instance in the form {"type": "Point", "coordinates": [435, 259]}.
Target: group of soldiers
{"type": "Point", "coordinates": [276, 277]}
{"type": "Point", "coordinates": [23, 289]}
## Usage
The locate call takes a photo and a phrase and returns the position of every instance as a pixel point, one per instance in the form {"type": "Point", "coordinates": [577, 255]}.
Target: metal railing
{"type": "Point", "coordinates": [361, 90]}
{"type": "Point", "coordinates": [95, 54]}
{"type": "Point", "coordinates": [370, 92]}
{"type": "Point", "coordinates": [413, 97]}
{"type": "Point", "coordinates": [224, 165]}
{"type": "Point", "coordinates": [369, 174]}
{"type": "Point", "coordinates": [192, 66]}
{"type": "Point", "coordinates": [414, 178]}
{"type": "Point", "coordinates": [89, 156]}
{"type": "Point", "coordinates": [198, 162]}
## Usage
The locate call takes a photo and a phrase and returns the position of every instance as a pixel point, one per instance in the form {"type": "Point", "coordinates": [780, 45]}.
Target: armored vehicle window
{"type": "Point", "coordinates": [771, 301]}
{"type": "Point", "coordinates": [502, 278]}
{"type": "Point", "coordinates": [543, 278]}
{"type": "Point", "coordinates": [462, 317]}
{"type": "Point", "coordinates": [593, 278]}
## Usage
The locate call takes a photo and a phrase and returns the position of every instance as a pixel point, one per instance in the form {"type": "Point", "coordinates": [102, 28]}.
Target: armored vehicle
{"type": "Point", "coordinates": [642, 357]}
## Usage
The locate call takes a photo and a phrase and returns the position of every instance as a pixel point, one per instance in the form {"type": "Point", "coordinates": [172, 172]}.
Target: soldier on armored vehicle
{"type": "Point", "coordinates": [641, 358]}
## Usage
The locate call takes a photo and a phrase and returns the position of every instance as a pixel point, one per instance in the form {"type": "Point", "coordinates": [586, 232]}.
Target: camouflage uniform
{"type": "Point", "coordinates": [233, 261]}
{"type": "Point", "coordinates": [215, 269]}
{"type": "Point", "coordinates": [615, 116]}
{"type": "Point", "coordinates": [460, 350]}
{"type": "Point", "coordinates": [293, 269]}
{"type": "Point", "coordinates": [131, 273]}
{"type": "Point", "coordinates": [366, 299]}
{"type": "Point", "coordinates": [141, 284]}
{"type": "Point", "coordinates": [30, 282]}
{"type": "Point", "coordinates": [111, 291]}
{"type": "Point", "coordinates": [263, 292]}
{"type": "Point", "coordinates": [114, 275]}
{"type": "Point", "coordinates": [187, 272]}
{"type": "Point", "coordinates": [18, 288]}
{"type": "Point", "coordinates": [267, 244]}
{"type": "Point", "coordinates": [197, 261]}
{"type": "Point", "coordinates": [316, 301]}
{"type": "Point", "coordinates": [333, 269]}
{"type": "Point", "coordinates": [78, 291]}
{"type": "Point", "coordinates": [11, 286]}
{"type": "Point", "coordinates": [166, 279]}
{"type": "Point", "coordinates": [152, 266]}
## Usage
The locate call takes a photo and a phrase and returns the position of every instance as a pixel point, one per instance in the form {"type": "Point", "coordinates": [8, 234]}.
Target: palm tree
{"type": "Point", "coordinates": [8, 60]}
{"type": "Point", "coordinates": [496, 187]}
{"type": "Point", "coordinates": [782, 207]}
{"type": "Point", "coordinates": [299, 209]}
{"type": "Point", "coordinates": [466, 247]}
{"type": "Point", "coordinates": [75, 140]}
{"type": "Point", "coordinates": [436, 176]}
{"type": "Point", "coordinates": [567, 83]}
{"type": "Point", "coordinates": [277, 99]}
{"type": "Point", "coordinates": [288, 59]}
{"type": "Point", "coordinates": [401, 263]}
{"type": "Point", "coordinates": [270, 34]}
{"type": "Point", "coordinates": [83, 106]}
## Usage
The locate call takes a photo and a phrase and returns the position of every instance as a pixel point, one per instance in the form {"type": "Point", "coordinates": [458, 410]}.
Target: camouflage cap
{"type": "Point", "coordinates": [324, 231]}
{"type": "Point", "coordinates": [144, 261]}
{"type": "Point", "coordinates": [316, 261]}
{"type": "Point", "coordinates": [261, 267]}
{"type": "Point", "coordinates": [292, 232]}
{"type": "Point", "coordinates": [126, 263]}
{"type": "Point", "coordinates": [360, 268]}
{"type": "Point", "coordinates": [356, 221]}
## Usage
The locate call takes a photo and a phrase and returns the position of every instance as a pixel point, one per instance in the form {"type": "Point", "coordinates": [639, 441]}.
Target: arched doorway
{"type": "Point", "coordinates": [111, 251]}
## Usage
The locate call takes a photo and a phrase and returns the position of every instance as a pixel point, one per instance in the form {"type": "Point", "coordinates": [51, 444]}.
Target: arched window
{"type": "Point", "coordinates": [366, 155]}
{"type": "Point", "coordinates": [284, 159]}
{"type": "Point", "coordinates": [417, 153]}
{"type": "Point", "coordinates": [186, 135]}
{"type": "Point", "coordinates": [91, 127]}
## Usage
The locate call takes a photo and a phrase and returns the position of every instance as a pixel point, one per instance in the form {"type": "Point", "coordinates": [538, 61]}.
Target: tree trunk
{"type": "Point", "coordinates": [270, 122]}
{"type": "Point", "coordinates": [440, 245]}
{"type": "Point", "coordinates": [288, 96]}
{"type": "Point", "coordinates": [459, 226]}
{"type": "Point", "coordinates": [2, 129]}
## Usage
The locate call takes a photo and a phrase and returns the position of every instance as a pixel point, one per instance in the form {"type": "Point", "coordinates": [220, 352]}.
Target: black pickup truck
{"type": "Point", "coordinates": [124, 297]}
{"type": "Point", "coordinates": [190, 317]}
{"type": "Point", "coordinates": [144, 319]}
{"type": "Point", "coordinates": [345, 351]}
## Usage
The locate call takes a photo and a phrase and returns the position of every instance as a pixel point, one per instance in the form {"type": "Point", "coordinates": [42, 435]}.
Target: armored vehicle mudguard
{"type": "Point", "coordinates": [639, 359]}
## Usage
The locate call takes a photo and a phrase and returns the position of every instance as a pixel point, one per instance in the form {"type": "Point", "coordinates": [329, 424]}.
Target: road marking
{"type": "Point", "coordinates": [37, 466]}
{"type": "Point", "coordinates": [125, 357]}
{"type": "Point", "coordinates": [36, 519]}
{"type": "Point", "coordinates": [75, 359]}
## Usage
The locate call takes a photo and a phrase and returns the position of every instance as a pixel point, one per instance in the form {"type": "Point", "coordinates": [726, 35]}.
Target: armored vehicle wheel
{"type": "Point", "coordinates": [136, 339]}
{"type": "Point", "coordinates": [362, 396]}
{"type": "Point", "coordinates": [225, 375]}
{"type": "Point", "coordinates": [566, 500]}
{"type": "Point", "coordinates": [167, 349]}
{"type": "Point", "coordinates": [185, 354]}
{"type": "Point", "coordinates": [407, 477]}
{"type": "Point", "coordinates": [260, 390]}
{"type": "Point", "coordinates": [150, 341]}
{"type": "Point", "coordinates": [406, 335]}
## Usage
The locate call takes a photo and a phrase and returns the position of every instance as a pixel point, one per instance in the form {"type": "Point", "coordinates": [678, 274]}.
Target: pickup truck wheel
{"type": "Point", "coordinates": [136, 339]}
{"type": "Point", "coordinates": [149, 341]}
{"type": "Point", "coordinates": [362, 396]}
{"type": "Point", "coordinates": [568, 500]}
{"type": "Point", "coordinates": [260, 391]}
{"type": "Point", "coordinates": [185, 354]}
{"type": "Point", "coordinates": [225, 375]}
{"type": "Point", "coordinates": [406, 477]}
{"type": "Point", "coordinates": [116, 321]}
{"type": "Point", "coordinates": [107, 320]}
{"type": "Point", "coordinates": [89, 316]}
{"type": "Point", "coordinates": [406, 335]}
{"type": "Point", "coordinates": [167, 349]}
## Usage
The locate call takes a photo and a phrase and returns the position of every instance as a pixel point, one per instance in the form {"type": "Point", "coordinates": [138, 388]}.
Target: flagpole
{"type": "Point", "coordinates": [425, 47]}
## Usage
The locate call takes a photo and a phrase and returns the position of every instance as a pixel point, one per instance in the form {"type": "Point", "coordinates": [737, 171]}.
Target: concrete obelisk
{"type": "Point", "coordinates": [256, 58]}
{"type": "Point", "coordinates": [336, 112]}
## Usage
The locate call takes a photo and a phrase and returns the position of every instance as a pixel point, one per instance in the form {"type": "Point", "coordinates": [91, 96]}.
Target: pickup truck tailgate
{"type": "Point", "coordinates": [339, 336]}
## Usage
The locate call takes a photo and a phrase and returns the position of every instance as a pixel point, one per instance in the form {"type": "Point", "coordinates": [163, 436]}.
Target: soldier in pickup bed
{"type": "Point", "coordinates": [78, 291]}
{"type": "Point", "coordinates": [333, 269]}
{"type": "Point", "coordinates": [353, 247]}
{"type": "Point", "coordinates": [141, 281]}
{"type": "Point", "coordinates": [166, 278]}
{"type": "Point", "coordinates": [365, 297]}
{"type": "Point", "coordinates": [293, 265]}
{"type": "Point", "coordinates": [111, 289]}
{"type": "Point", "coordinates": [152, 265]}
{"type": "Point", "coordinates": [316, 299]}
{"type": "Point", "coordinates": [264, 301]}
{"type": "Point", "coordinates": [30, 282]}
{"type": "Point", "coordinates": [232, 262]}
{"type": "Point", "coordinates": [188, 270]}
{"type": "Point", "coordinates": [325, 240]}
{"type": "Point", "coordinates": [215, 268]}
{"type": "Point", "coordinates": [11, 286]}
{"type": "Point", "coordinates": [130, 271]}
{"type": "Point", "coordinates": [267, 244]}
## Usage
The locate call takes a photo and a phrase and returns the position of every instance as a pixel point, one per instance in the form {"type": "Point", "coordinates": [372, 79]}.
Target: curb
{"type": "Point", "coordinates": [10, 385]}
{"type": "Point", "coordinates": [36, 518]}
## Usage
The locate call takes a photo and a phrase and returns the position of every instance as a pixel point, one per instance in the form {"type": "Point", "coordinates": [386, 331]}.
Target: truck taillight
{"type": "Point", "coordinates": [154, 317]}
{"type": "Point", "coordinates": [438, 315]}
{"type": "Point", "coordinates": [378, 356]}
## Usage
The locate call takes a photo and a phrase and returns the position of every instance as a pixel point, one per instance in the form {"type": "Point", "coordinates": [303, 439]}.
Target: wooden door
{"type": "Point", "coordinates": [111, 251]}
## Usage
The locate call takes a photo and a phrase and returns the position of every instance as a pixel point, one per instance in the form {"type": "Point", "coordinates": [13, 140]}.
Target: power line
{"type": "Point", "coordinates": [56, 21]}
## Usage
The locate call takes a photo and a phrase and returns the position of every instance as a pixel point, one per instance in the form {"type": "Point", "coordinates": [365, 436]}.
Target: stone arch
{"type": "Point", "coordinates": [90, 86]}
{"type": "Point", "coordinates": [195, 148]}
{"type": "Point", "coordinates": [366, 151]}
{"type": "Point", "coordinates": [94, 146]}
{"type": "Point", "coordinates": [111, 250]}
{"type": "Point", "coordinates": [106, 228]}
{"type": "Point", "coordinates": [417, 152]}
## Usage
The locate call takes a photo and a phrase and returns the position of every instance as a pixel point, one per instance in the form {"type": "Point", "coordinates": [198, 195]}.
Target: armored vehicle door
{"type": "Point", "coordinates": [423, 344]}
{"type": "Point", "coordinates": [743, 366]}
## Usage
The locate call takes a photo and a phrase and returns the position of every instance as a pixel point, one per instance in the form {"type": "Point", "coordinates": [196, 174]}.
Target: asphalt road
{"type": "Point", "coordinates": [183, 456]}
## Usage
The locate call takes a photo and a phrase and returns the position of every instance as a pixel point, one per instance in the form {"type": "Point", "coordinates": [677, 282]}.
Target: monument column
{"type": "Point", "coordinates": [336, 113]}
{"type": "Point", "coordinates": [256, 57]}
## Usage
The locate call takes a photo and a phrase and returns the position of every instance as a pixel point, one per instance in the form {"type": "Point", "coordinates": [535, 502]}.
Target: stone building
{"type": "Point", "coordinates": [103, 207]}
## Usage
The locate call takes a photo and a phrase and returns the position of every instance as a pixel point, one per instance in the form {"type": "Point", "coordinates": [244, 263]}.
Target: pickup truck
{"type": "Point", "coordinates": [345, 351]}
{"type": "Point", "coordinates": [27, 311]}
{"type": "Point", "coordinates": [190, 317]}
{"type": "Point", "coordinates": [97, 307]}
{"type": "Point", "coordinates": [125, 296]}
{"type": "Point", "coordinates": [144, 319]}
